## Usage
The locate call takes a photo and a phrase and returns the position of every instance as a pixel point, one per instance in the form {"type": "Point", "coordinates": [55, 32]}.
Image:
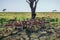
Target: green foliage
{"type": "Point", "coordinates": [56, 19]}
{"type": "Point", "coordinates": [2, 20]}
{"type": "Point", "coordinates": [52, 20]}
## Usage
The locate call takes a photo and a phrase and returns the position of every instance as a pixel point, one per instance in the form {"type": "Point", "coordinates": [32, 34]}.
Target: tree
{"type": "Point", "coordinates": [4, 10]}
{"type": "Point", "coordinates": [33, 4]}
{"type": "Point", "coordinates": [54, 10]}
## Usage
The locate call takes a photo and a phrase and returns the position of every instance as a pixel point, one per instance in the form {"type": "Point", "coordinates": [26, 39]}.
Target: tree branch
{"type": "Point", "coordinates": [27, 1]}
{"type": "Point", "coordinates": [35, 4]}
{"type": "Point", "coordinates": [37, 1]}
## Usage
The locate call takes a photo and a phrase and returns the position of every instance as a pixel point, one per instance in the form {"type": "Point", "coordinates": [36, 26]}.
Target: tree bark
{"type": "Point", "coordinates": [33, 13]}
{"type": "Point", "coordinates": [33, 9]}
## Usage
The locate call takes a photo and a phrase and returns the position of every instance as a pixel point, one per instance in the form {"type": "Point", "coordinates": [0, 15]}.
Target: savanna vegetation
{"type": "Point", "coordinates": [22, 15]}
{"type": "Point", "coordinates": [20, 26]}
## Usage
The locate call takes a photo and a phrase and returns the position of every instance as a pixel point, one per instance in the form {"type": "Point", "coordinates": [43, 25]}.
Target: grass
{"type": "Point", "coordinates": [24, 15]}
{"type": "Point", "coordinates": [11, 15]}
{"type": "Point", "coordinates": [2, 28]}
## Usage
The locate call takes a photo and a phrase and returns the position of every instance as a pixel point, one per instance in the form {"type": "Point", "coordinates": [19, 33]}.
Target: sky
{"type": "Point", "coordinates": [23, 6]}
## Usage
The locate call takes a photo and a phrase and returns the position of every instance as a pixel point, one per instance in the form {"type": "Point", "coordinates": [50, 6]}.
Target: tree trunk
{"type": "Point", "coordinates": [33, 13]}
{"type": "Point", "coordinates": [33, 9]}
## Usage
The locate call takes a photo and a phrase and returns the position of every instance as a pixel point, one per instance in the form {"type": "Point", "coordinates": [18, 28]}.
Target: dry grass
{"type": "Point", "coordinates": [11, 15]}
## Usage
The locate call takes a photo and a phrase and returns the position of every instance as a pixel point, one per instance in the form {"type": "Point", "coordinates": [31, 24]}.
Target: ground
{"type": "Point", "coordinates": [49, 31]}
